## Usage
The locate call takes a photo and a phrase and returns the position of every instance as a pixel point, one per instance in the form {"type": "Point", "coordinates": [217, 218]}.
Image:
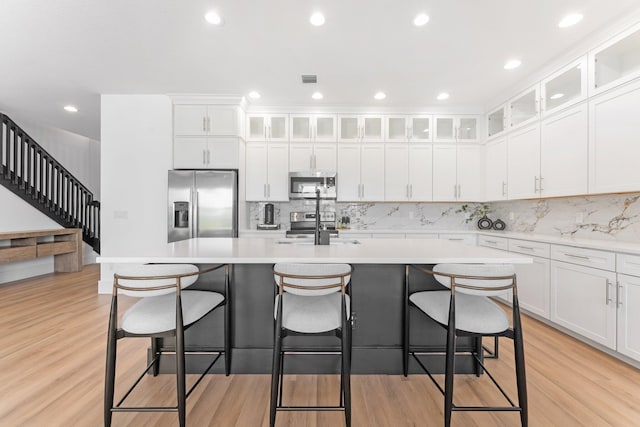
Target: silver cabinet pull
{"type": "Point", "coordinates": [204, 124]}
{"type": "Point", "coordinates": [492, 242]}
{"type": "Point", "coordinates": [455, 191]}
{"type": "Point", "coordinates": [411, 191]}
{"type": "Point", "coordinates": [269, 190]}
{"type": "Point", "coordinates": [529, 248]}
{"type": "Point", "coordinates": [577, 256]}
{"type": "Point", "coordinates": [535, 184]}
{"type": "Point", "coordinates": [618, 294]}
{"type": "Point", "coordinates": [608, 283]}
{"type": "Point", "coordinates": [504, 189]}
{"type": "Point", "coordinates": [459, 191]}
{"type": "Point", "coordinates": [204, 157]}
{"type": "Point", "coordinates": [208, 124]}
{"type": "Point", "coordinates": [407, 190]}
{"type": "Point", "coordinates": [264, 190]}
{"type": "Point", "coordinates": [208, 156]}
{"type": "Point", "coordinates": [363, 191]}
{"type": "Point", "coordinates": [540, 187]}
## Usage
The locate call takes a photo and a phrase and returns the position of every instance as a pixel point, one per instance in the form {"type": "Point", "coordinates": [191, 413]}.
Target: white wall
{"type": "Point", "coordinates": [80, 156]}
{"type": "Point", "coordinates": [136, 155]}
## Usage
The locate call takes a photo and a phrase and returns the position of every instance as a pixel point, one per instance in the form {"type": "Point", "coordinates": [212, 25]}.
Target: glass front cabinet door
{"type": "Point", "coordinates": [420, 128]}
{"type": "Point", "coordinates": [523, 109]}
{"type": "Point", "coordinates": [565, 87]}
{"type": "Point", "coordinates": [615, 62]}
{"type": "Point", "coordinates": [496, 121]}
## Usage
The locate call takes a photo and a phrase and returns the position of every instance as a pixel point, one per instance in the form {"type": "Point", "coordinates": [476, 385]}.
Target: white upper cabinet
{"type": "Point", "coordinates": [411, 128]}
{"type": "Point", "coordinates": [615, 62]}
{"type": "Point", "coordinates": [524, 108]}
{"type": "Point", "coordinates": [205, 120]}
{"type": "Point", "coordinates": [267, 127]}
{"type": "Point", "coordinates": [495, 161]}
{"type": "Point", "coordinates": [408, 172]}
{"type": "Point", "coordinates": [266, 172]}
{"type": "Point", "coordinates": [497, 121]}
{"type": "Point", "coordinates": [455, 128]}
{"type": "Point", "coordinates": [313, 127]}
{"type": "Point", "coordinates": [524, 163]}
{"type": "Point", "coordinates": [357, 128]}
{"type": "Point", "coordinates": [565, 87]}
{"type": "Point", "coordinates": [397, 128]}
{"type": "Point", "coordinates": [457, 173]}
{"type": "Point", "coordinates": [564, 153]}
{"type": "Point", "coordinates": [360, 172]}
{"type": "Point", "coordinates": [614, 140]}
{"type": "Point", "coordinates": [318, 156]}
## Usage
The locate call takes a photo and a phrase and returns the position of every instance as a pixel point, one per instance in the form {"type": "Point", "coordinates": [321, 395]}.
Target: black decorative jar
{"type": "Point", "coordinates": [485, 223]}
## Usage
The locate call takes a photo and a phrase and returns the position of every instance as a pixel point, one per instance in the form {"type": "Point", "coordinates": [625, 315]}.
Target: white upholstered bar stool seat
{"type": "Point", "coordinates": [155, 313]}
{"type": "Point", "coordinates": [475, 312]}
{"type": "Point", "coordinates": [311, 315]}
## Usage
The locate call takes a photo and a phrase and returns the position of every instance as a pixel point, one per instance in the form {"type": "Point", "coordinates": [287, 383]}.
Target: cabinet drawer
{"type": "Point", "coordinates": [628, 264]}
{"type": "Point", "coordinates": [422, 235]}
{"type": "Point", "coordinates": [467, 239]}
{"type": "Point", "coordinates": [493, 242]}
{"type": "Point", "coordinates": [529, 248]}
{"type": "Point", "coordinates": [587, 257]}
{"type": "Point", "coordinates": [387, 236]}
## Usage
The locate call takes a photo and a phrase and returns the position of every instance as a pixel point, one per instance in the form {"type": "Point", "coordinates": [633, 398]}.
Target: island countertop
{"type": "Point", "coordinates": [269, 251]}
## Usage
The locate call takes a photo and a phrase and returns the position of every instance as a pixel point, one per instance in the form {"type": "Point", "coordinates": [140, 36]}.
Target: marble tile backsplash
{"type": "Point", "coordinates": [614, 217]}
{"type": "Point", "coordinates": [371, 216]}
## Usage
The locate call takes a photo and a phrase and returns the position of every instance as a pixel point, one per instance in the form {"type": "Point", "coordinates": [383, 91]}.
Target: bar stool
{"type": "Point", "coordinates": [312, 299]}
{"type": "Point", "coordinates": [466, 310]}
{"type": "Point", "coordinates": [164, 310]}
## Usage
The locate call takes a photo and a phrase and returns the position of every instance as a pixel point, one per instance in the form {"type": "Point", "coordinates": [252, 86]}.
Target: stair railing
{"type": "Point", "coordinates": [37, 177]}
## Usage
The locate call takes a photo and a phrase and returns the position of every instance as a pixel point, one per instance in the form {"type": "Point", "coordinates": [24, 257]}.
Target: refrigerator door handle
{"type": "Point", "coordinates": [196, 209]}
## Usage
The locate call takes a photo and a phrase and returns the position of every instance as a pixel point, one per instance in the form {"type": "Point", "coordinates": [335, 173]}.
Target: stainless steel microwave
{"type": "Point", "coordinates": [303, 185]}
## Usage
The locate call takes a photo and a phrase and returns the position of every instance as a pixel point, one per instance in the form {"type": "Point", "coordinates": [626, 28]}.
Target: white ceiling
{"type": "Point", "coordinates": [54, 53]}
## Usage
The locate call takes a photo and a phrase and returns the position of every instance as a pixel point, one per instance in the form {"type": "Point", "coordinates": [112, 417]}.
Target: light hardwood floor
{"type": "Point", "coordinates": [52, 351]}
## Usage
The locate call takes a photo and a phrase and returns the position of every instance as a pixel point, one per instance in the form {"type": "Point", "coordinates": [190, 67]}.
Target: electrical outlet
{"type": "Point", "coordinates": [579, 218]}
{"type": "Point", "coordinates": [512, 216]}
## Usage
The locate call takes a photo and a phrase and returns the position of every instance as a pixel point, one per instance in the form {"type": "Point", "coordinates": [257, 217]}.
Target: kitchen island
{"type": "Point", "coordinates": [377, 290]}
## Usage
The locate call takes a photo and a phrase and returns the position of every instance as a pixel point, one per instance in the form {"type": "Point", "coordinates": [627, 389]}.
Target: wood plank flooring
{"type": "Point", "coordinates": [52, 351]}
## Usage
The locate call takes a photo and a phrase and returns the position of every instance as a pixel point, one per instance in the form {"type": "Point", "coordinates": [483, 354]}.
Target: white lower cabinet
{"type": "Point", "coordinates": [466, 239]}
{"type": "Point", "coordinates": [583, 301]}
{"type": "Point", "coordinates": [628, 299]}
{"type": "Point", "coordinates": [533, 286]}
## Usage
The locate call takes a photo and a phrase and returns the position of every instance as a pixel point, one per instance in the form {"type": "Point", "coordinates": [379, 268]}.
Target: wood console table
{"type": "Point", "coordinates": [65, 245]}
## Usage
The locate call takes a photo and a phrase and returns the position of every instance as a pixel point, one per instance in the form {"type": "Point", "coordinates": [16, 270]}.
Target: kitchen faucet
{"type": "Point", "coordinates": [317, 231]}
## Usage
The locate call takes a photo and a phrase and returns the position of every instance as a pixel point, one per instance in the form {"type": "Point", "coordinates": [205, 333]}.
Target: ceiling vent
{"type": "Point", "coordinates": [309, 78]}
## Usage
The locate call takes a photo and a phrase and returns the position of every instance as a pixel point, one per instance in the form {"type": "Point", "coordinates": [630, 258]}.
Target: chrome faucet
{"type": "Point", "coordinates": [317, 231]}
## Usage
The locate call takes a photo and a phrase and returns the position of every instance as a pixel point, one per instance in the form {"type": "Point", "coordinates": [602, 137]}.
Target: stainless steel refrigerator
{"type": "Point", "coordinates": [202, 204]}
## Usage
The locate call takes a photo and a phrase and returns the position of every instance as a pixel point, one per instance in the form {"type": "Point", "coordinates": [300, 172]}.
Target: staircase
{"type": "Point", "coordinates": [31, 173]}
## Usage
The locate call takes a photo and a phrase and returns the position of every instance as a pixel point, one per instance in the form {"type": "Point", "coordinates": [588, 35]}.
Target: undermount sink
{"type": "Point", "coordinates": [309, 241]}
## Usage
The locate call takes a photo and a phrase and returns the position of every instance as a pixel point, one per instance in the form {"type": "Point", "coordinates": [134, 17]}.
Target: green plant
{"type": "Point", "coordinates": [474, 211]}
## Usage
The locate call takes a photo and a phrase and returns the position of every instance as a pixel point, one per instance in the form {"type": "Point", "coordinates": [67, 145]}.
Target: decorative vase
{"type": "Point", "coordinates": [499, 225]}
{"type": "Point", "coordinates": [485, 223]}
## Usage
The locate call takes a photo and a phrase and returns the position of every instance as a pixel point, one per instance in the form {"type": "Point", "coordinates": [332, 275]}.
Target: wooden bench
{"type": "Point", "coordinates": [65, 245]}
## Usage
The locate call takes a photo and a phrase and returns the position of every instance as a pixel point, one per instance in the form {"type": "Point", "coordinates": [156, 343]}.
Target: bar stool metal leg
{"type": "Point", "coordinates": [110, 373]}
{"type": "Point", "coordinates": [275, 370]}
{"type": "Point", "coordinates": [450, 363]}
{"type": "Point", "coordinates": [227, 324]}
{"type": "Point", "coordinates": [405, 340]}
{"type": "Point", "coordinates": [180, 368]}
{"type": "Point", "coordinates": [518, 348]}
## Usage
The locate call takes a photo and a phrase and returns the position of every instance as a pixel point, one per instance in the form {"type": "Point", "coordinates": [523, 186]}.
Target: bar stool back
{"type": "Point", "coordinates": [465, 310]}
{"type": "Point", "coordinates": [165, 309]}
{"type": "Point", "coordinates": [312, 299]}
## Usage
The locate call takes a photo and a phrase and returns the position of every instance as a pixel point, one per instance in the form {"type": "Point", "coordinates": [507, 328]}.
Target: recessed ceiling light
{"type": "Point", "coordinates": [443, 96]}
{"type": "Point", "coordinates": [71, 108]}
{"type": "Point", "coordinates": [317, 95]}
{"type": "Point", "coordinates": [380, 95]}
{"type": "Point", "coordinates": [420, 19]}
{"type": "Point", "coordinates": [317, 19]}
{"type": "Point", "coordinates": [254, 95]}
{"type": "Point", "coordinates": [512, 63]}
{"type": "Point", "coordinates": [570, 20]}
{"type": "Point", "coordinates": [212, 17]}
{"type": "Point", "coordinates": [557, 96]}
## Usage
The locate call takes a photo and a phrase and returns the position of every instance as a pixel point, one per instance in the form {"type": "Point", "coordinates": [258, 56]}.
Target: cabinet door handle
{"type": "Point", "coordinates": [204, 157]}
{"type": "Point", "coordinates": [577, 256]}
{"type": "Point", "coordinates": [529, 248]}
{"type": "Point", "coordinates": [208, 156]}
{"type": "Point", "coordinates": [455, 191]}
{"type": "Point", "coordinates": [264, 131]}
{"type": "Point", "coordinates": [208, 124]}
{"type": "Point", "coordinates": [411, 191]}
{"type": "Point", "coordinates": [459, 191]}
{"type": "Point", "coordinates": [608, 283]}
{"type": "Point", "coordinates": [492, 242]}
{"type": "Point", "coordinates": [407, 190]}
{"type": "Point", "coordinates": [618, 294]}
{"type": "Point", "coordinates": [504, 189]}
{"type": "Point", "coordinates": [535, 184]}
{"type": "Point", "coordinates": [269, 190]}
{"type": "Point", "coordinates": [264, 190]}
{"type": "Point", "coordinates": [204, 124]}
{"type": "Point", "coordinates": [540, 186]}
{"type": "Point", "coordinates": [362, 191]}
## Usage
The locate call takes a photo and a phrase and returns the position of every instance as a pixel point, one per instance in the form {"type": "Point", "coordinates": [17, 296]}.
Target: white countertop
{"type": "Point", "coordinates": [604, 245]}
{"type": "Point", "coordinates": [268, 250]}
